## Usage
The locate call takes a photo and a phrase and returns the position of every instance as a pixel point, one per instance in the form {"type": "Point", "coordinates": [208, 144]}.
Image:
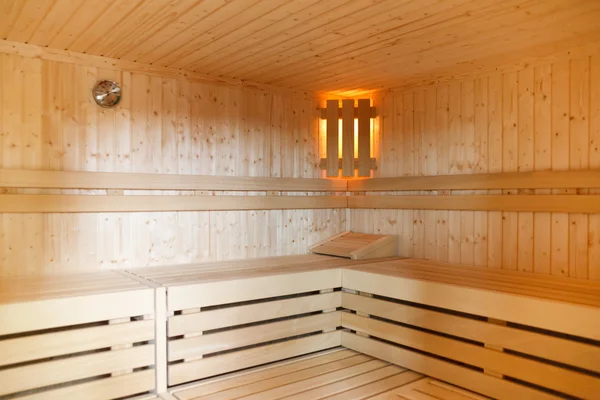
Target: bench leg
{"type": "Point", "coordinates": [121, 346]}
{"type": "Point", "coordinates": [364, 294]}
{"type": "Point", "coordinates": [190, 335]}
{"type": "Point", "coordinates": [327, 310]}
{"type": "Point", "coordinates": [493, 347]}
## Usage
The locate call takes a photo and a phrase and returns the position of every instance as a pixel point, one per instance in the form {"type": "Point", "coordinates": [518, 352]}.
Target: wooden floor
{"type": "Point", "coordinates": [334, 374]}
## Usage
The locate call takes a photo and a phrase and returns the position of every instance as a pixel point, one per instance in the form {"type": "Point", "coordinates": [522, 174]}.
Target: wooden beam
{"type": "Point", "coordinates": [347, 138]}
{"type": "Point", "coordinates": [364, 138]}
{"type": "Point", "coordinates": [332, 137]}
{"type": "Point", "coordinates": [587, 204]}
{"type": "Point", "coordinates": [142, 181]}
{"type": "Point", "coordinates": [81, 204]}
{"type": "Point", "coordinates": [372, 112]}
{"type": "Point", "coordinates": [509, 180]}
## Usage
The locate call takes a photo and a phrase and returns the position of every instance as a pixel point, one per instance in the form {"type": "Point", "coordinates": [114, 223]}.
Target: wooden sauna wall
{"type": "Point", "coordinates": [544, 117]}
{"type": "Point", "coordinates": [168, 125]}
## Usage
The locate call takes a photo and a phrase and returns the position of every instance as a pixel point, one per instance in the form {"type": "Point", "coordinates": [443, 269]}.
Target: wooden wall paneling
{"type": "Point", "coordinates": [418, 240]}
{"type": "Point", "coordinates": [364, 137]}
{"type": "Point", "coordinates": [510, 163]}
{"type": "Point", "coordinates": [525, 123]}
{"type": "Point", "coordinates": [456, 152]}
{"type": "Point", "coordinates": [106, 156]}
{"type": "Point", "coordinates": [560, 161]}
{"type": "Point", "coordinates": [184, 135]}
{"type": "Point", "coordinates": [406, 217]}
{"type": "Point", "coordinates": [387, 148]}
{"type": "Point", "coordinates": [542, 118]}
{"type": "Point", "coordinates": [480, 123]}
{"type": "Point", "coordinates": [594, 230]}
{"type": "Point", "coordinates": [169, 127]}
{"type": "Point", "coordinates": [468, 162]}
{"type": "Point", "coordinates": [430, 154]}
{"type": "Point", "coordinates": [332, 137]}
{"type": "Point", "coordinates": [347, 138]}
{"type": "Point", "coordinates": [442, 144]}
{"type": "Point", "coordinates": [579, 159]}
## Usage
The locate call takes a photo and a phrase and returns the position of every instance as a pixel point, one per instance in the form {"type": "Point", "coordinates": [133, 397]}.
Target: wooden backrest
{"type": "Point", "coordinates": [477, 328]}
{"type": "Point", "coordinates": [76, 336]}
{"type": "Point", "coordinates": [227, 319]}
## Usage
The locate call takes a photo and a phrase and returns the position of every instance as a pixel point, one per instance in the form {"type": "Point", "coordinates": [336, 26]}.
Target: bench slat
{"type": "Point", "coordinates": [48, 373]}
{"type": "Point", "coordinates": [545, 346]}
{"type": "Point", "coordinates": [210, 366]}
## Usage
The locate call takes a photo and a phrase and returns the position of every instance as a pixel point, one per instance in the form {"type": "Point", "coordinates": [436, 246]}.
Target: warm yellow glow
{"type": "Point", "coordinates": [323, 138]}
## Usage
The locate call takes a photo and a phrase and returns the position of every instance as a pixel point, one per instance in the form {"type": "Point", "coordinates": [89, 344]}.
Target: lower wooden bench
{"type": "Point", "coordinates": [232, 315]}
{"type": "Point", "coordinates": [498, 333]}
{"type": "Point", "coordinates": [84, 336]}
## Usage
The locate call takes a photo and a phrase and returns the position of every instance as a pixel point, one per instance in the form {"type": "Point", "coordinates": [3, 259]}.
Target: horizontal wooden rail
{"type": "Point", "coordinates": [532, 203]}
{"type": "Point", "coordinates": [15, 203]}
{"type": "Point", "coordinates": [143, 181]}
{"type": "Point", "coordinates": [508, 180]}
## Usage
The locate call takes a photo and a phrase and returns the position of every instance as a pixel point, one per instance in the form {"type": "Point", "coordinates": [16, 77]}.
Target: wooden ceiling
{"type": "Point", "coordinates": [326, 46]}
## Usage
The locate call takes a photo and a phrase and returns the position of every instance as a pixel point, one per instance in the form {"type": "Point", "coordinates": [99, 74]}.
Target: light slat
{"type": "Point", "coordinates": [587, 204]}
{"type": "Point", "coordinates": [526, 310]}
{"type": "Point", "coordinates": [347, 138]}
{"type": "Point", "coordinates": [20, 178]}
{"type": "Point", "coordinates": [208, 320]}
{"type": "Point", "coordinates": [231, 339]}
{"type": "Point", "coordinates": [455, 374]}
{"type": "Point", "coordinates": [544, 375]}
{"type": "Point", "coordinates": [109, 388]}
{"type": "Point", "coordinates": [272, 374]}
{"type": "Point", "coordinates": [332, 138]}
{"type": "Point", "coordinates": [53, 313]}
{"type": "Point", "coordinates": [88, 204]}
{"type": "Point", "coordinates": [505, 180]}
{"type": "Point", "coordinates": [33, 376]}
{"type": "Point", "coordinates": [185, 372]}
{"type": "Point", "coordinates": [364, 137]}
{"type": "Point", "coordinates": [232, 291]}
{"type": "Point", "coordinates": [35, 347]}
{"type": "Point", "coordinates": [544, 346]}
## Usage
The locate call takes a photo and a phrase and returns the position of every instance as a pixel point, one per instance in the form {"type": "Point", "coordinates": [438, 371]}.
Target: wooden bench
{"type": "Point", "coordinates": [499, 333]}
{"type": "Point", "coordinates": [227, 316]}
{"type": "Point", "coordinates": [118, 334]}
{"type": "Point", "coordinates": [84, 336]}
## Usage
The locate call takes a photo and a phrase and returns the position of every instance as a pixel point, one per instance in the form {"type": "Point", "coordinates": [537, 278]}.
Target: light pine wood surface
{"type": "Point", "coordinates": [340, 47]}
{"type": "Point", "coordinates": [540, 122]}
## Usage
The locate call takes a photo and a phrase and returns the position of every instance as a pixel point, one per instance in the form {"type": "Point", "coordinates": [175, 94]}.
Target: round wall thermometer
{"type": "Point", "coordinates": [107, 93]}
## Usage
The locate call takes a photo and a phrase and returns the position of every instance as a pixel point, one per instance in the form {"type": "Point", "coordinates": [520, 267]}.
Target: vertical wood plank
{"type": "Point", "coordinates": [364, 137]}
{"type": "Point", "coordinates": [468, 160]}
{"type": "Point", "coordinates": [332, 138]}
{"type": "Point", "coordinates": [560, 162]}
{"type": "Point", "coordinates": [429, 148]}
{"type": "Point", "coordinates": [456, 166]}
{"type": "Point", "coordinates": [442, 168]}
{"type": "Point", "coordinates": [594, 226]}
{"type": "Point", "coordinates": [510, 164]}
{"type": "Point", "coordinates": [481, 166]}
{"type": "Point", "coordinates": [525, 163]}
{"type": "Point", "coordinates": [543, 162]}
{"type": "Point", "coordinates": [495, 146]}
{"type": "Point", "coordinates": [407, 168]}
{"type": "Point", "coordinates": [347, 138]}
{"type": "Point", "coordinates": [418, 133]}
{"type": "Point", "coordinates": [579, 159]}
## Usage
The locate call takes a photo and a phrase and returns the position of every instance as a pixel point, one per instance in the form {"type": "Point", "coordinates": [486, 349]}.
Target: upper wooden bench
{"type": "Point", "coordinates": [76, 336]}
